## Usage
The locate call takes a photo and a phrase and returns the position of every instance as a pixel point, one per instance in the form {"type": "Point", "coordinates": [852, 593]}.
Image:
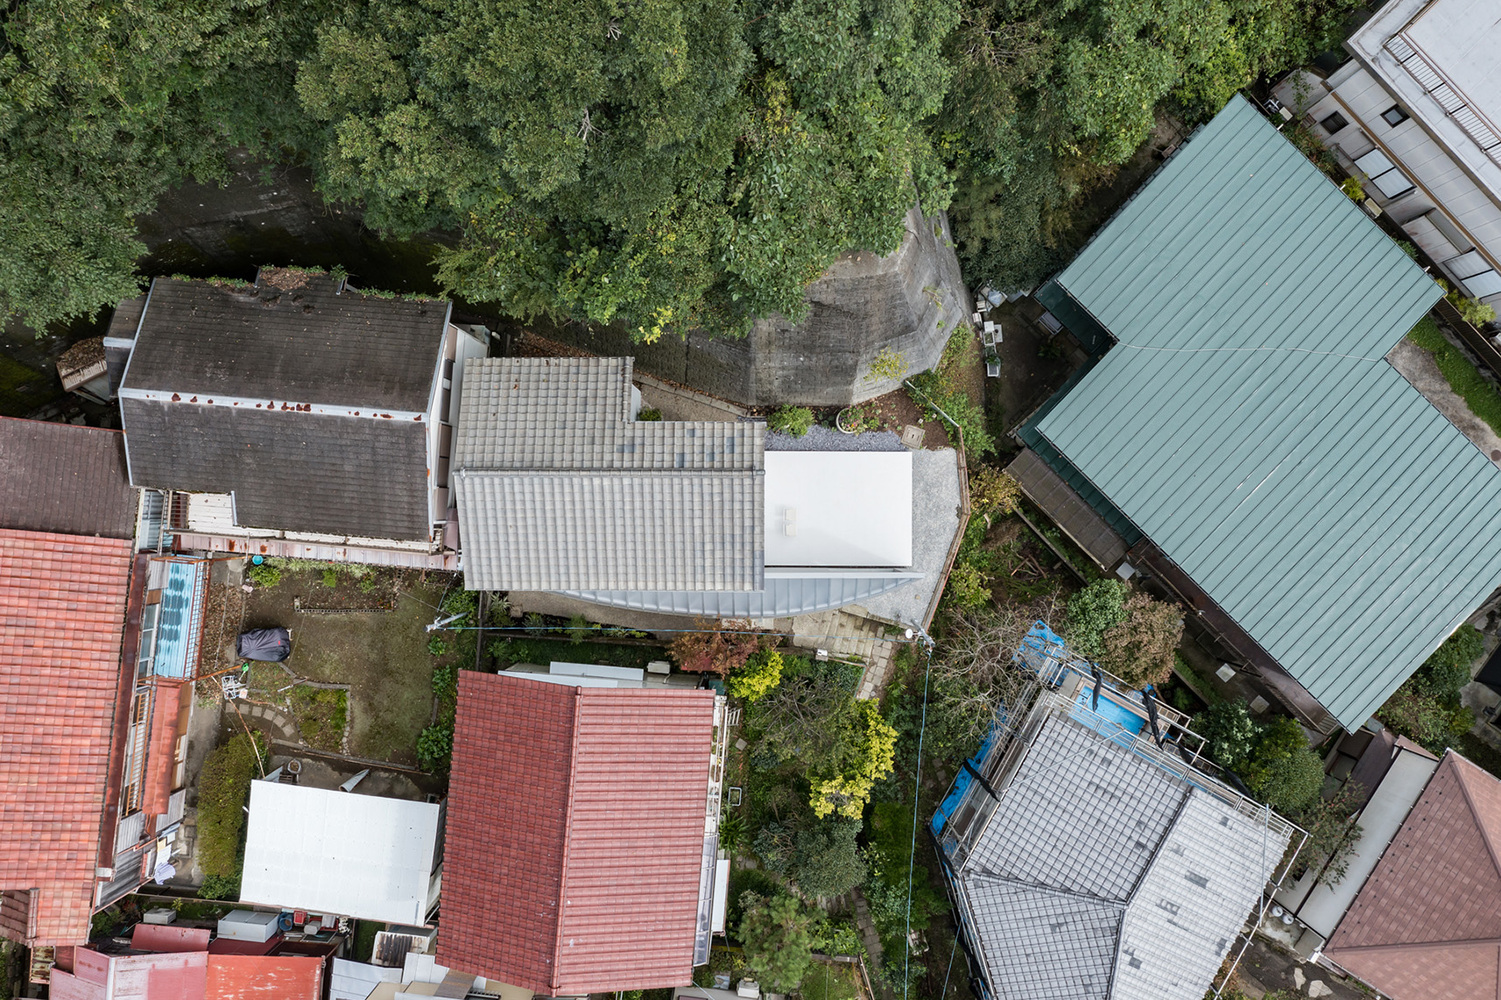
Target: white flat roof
{"type": "Point", "coordinates": [1460, 38]}
{"type": "Point", "coordinates": [847, 508]}
{"type": "Point", "coordinates": [330, 851]}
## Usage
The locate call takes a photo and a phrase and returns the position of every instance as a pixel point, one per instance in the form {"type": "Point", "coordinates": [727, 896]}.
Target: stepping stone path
{"type": "Point", "coordinates": [275, 720]}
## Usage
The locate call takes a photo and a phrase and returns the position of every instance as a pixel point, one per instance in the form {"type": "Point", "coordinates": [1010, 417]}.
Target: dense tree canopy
{"type": "Point", "coordinates": [661, 164]}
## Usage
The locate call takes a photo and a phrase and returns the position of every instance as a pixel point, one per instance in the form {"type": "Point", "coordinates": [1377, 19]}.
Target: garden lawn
{"type": "Point", "coordinates": [382, 656]}
{"type": "Point", "coordinates": [1464, 378]}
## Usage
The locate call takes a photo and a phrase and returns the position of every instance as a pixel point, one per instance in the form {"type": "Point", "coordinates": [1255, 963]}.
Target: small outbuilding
{"type": "Point", "coordinates": [337, 852]}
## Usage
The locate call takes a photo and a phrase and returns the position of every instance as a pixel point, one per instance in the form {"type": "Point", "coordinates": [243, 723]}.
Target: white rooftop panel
{"type": "Point", "coordinates": [838, 508]}
{"type": "Point", "coordinates": [339, 852]}
{"type": "Point", "coordinates": [1460, 39]}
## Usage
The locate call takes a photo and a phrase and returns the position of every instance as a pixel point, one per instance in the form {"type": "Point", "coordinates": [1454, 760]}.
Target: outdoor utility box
{"type": "Point", "coordinates": [160, 915]}
{"type": "Point", "coordinates": [659, 667]}
{"type": "Point", "coordinates": [248, 925]}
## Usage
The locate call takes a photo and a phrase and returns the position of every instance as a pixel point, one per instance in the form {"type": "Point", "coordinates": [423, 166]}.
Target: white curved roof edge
{"type": "Point", "coordinates": [784, 595]}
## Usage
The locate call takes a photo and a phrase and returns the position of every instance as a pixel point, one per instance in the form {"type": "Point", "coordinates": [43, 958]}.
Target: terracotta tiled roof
{"type": "Point", "coordinates": [264, 977]}
{"type": "Point", "coordinates": [575, 834]}
{"type": "Point", "coordinates": [62, 607]}
{"type": "Point", "coordinates": [1426, 924]}
{"type": "Point", "coordinates": [58, 477]}
{"type": "Point", "coordinates": [161, 763]}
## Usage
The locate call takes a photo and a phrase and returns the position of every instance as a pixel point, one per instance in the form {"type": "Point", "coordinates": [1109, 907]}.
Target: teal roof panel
{"type": "Point", "coordinates": [1248, 422]}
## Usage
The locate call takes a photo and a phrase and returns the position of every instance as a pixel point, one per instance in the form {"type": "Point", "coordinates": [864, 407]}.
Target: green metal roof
{"type": "Point", "coordinates": [1248, 422]}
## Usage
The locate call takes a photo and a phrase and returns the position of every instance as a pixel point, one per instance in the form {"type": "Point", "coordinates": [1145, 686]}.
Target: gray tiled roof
{"type": "Point", "coordinates": [295, 472]}
{"type": "Point", "coordinates": [558, 489]}
{"type": "Point", "coordinates": [203, 345]}
{"type": "Point", "coordinates": [311, 344]}
{"type": "Point", "coordinates": [1101, 874]}
{"type": "Point", "coordinates": [67, 479]}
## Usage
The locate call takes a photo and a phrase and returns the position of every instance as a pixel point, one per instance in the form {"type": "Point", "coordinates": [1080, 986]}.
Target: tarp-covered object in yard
{"type": "Point", "coordinates": [273, 644]}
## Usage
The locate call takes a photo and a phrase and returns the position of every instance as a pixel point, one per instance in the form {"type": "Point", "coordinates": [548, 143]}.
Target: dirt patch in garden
{"type": "Point", "coordinates": [382, 656]}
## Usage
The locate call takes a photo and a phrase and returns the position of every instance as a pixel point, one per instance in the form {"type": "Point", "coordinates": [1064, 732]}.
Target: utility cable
{"type": "Point", "coordinates": [916, 803]}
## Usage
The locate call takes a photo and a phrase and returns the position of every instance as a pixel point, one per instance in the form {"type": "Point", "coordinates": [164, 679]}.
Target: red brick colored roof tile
{"type": "Point", "coordinates": [264, 977]}
{"type": "Point", "coordinates": [161, 755]}
{"type": "Point", "coordinates": [177, 976]}
{"type": "Point", "coordinates": [62, 608]}
{"type": "Point", "coordinates": [575, 834]}
{"type": "Point", "coordinates": [1426, 924]}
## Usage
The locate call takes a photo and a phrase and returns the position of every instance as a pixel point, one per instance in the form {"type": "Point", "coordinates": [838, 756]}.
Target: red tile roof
{"type": "Point", "coordinates": [178, 976]}
{"type": "Point", "coordinates": [575, 834]}
{"type": "Point", "coordinates": [62, 607]}
{"type": "Point", "coordinates": [1426, 924]}
{"type": "Point", "coordinates": [161, 755]}
{"type": "Point", "coordinates": [272, 977]}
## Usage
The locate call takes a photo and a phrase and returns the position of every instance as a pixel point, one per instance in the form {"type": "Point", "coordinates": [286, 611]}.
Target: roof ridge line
{"type": "Point", "coordinates": [1486, 837]}
{"type": "Point", "coordinates": [648, 471]}
{"type": "Point", "coordinates": [573, 759]}
{"type": "Point", "coordinates": [1119, 904]}
{"type": "Point", "coordinates": [1419, 945]}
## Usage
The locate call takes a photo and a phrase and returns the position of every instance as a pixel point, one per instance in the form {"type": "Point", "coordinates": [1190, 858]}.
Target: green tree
{"type": "Point", "coordinates": [223, 790]}
{"type": "Point", "coordinates": [1140, 649]}
{"type": "Point", "coordinates": [869, 754]}
{"type": "Point", "coordinates": [103, 106]}
{"type": "Point", "coordinates": [761, 673]}
{"type": "Point", "coordinates": [821, 858]}
{"type": "Point", "coordinates": [1283, 770]}
{"type": "Point", "coordinates": [1091, 613]}
{"type": "Point", "coordinates": [776, 934]}
{"type": "Point", "coordinates": [794, 420]}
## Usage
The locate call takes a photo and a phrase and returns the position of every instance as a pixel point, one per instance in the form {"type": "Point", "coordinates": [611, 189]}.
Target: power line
{"type": "Point", "coordinates": [916, 801]}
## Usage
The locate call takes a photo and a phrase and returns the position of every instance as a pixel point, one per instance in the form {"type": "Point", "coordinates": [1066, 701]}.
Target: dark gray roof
{"type": "Point", "coordinates": [67, 479]}
{"type": "Point", "coordinates": [305, 400]}
{"type": "Point", "coordinates": [301, 344]}
{"type": "Point", "coordinates": [558, 489]}
{"type": "Point", "coordinates": [297, 472]}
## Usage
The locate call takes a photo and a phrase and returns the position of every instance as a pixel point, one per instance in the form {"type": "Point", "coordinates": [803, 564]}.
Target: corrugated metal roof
{"type": "Point", "coordinates": [329, 851]}
{"type": "Point", "coordinates": [1248, 423]}
{"type": "Point", "coordinates": [575, 833]}
{"type": "Point", "coordinates": [264, 977]}
{"type": "Point", "coordinates": [780, 597]}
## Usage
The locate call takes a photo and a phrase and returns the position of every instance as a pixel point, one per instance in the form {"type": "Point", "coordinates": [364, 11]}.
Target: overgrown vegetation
{"type": "Point", "coordinates": [223, 791]}
{"type": "Point", "coordinates": [1132, 635]}
{"type": "Point", "coordinates": [942, 388]}
{"type": "Point", "coordinates": [761, 673]}
{"type": "Point", "coordinates": [1427, 708]}
{"type": "Point", "coordinates": [718, 647]}
{"type": "Point", "coordinates": [322, 715]}
{"type": "Point", "coordinates": [1479, 394]}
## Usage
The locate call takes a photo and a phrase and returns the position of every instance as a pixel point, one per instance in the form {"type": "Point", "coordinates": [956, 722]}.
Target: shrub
{"type": "Point", "coordinates": [220, 887]}
{"type": "Point", "coordinates": [1448, 669]}
{"type": "Point", "coordinates": [821, 859]}
{"type": "Point", "coordinates": [992, 493]}
{"type": "Point", "coordinates": [579, 629]}
{"type": "Point", "coordinates": [1229, 731]}
{"type": "Point", "coordinates": [887, 366]}
{"type": "Point", "coordinates": [715, 649]}
{"type": "Point", "coordinates": [435, 747]}
{"type": "Point", "coordinates": [330, 578]}
{"type": "Point", "coordinates": [1479, 394]}
{"type": "Point", "coordinates": [223, 790]}
{"type": "Point", "coordinates": [761, 673]}
{"type": "Point", "coordinates": [1353, 189]}
{"type": "Point", "coordinates": [967, 588]}
{"type": "Point", "coordinates": [1140, 649]}
{"type": "Point", "coordinates": [264, 575]}
{"type": "Point", "coordinates": [777, 937]}
{"type": "Point", "coordinates": [1331, 835]}
{"type": "Point", "coordinates": [794, 420]}
{"type": "Point", "coordinates": [368, 583]}
{"type": "Point", "coordinates": [1091, 613]}
{"type": "Point", "coordinates": [649, 414]}
{"type": "Point", "coordinates": [445, 682]}
{"type": "Point", "coordinates": [437, 646]}
{"type": "Point", "coordinates": [1423, 718]}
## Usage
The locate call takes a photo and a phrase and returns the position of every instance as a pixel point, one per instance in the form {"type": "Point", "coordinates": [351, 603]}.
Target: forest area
{"type": "Point", "coordinates": [665, 165]}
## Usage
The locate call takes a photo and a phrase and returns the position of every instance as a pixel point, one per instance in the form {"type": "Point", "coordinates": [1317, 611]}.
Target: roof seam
{"type": "Point", "coordinates": [573, 764]}
{"type": "Point", "coordinates": [1485, 831]}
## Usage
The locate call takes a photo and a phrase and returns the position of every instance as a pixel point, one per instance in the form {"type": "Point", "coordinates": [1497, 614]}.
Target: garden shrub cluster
{"type": "Point", "coordinates": [793, 420]}
{"type": "Point", "coordinates": [1126, 632]}
{"type": "Point", "coordinates": [1427, 708]}
{"type": "Point", "coordinates": [223, 791]}
{"type": "Point", "coordinates": [942, 388]}
{"type": "Point", "coordinates": [1478, 392]}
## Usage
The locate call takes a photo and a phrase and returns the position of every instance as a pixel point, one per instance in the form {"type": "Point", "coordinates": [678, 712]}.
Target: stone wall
{"type": "Point", "coordinates": [909, 302]}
